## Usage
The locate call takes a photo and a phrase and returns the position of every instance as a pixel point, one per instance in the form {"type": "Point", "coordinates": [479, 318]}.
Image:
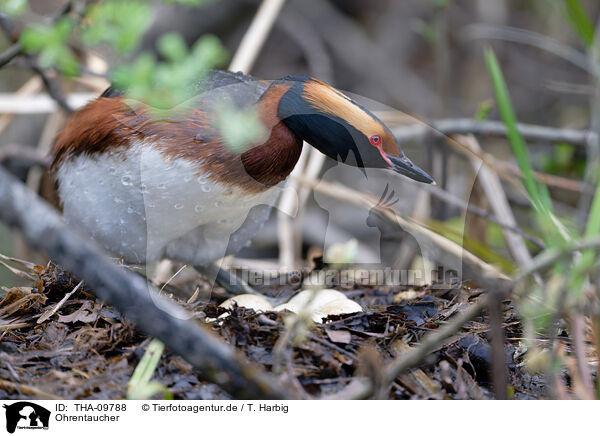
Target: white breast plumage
{"type": "Point", "coordinates": [142, 206]}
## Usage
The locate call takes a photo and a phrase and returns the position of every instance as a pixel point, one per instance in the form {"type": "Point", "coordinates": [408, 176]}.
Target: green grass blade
{"type": "Point", "coordinates": [538, 193]}
{"type": "Point", "coordinates": [510, 121]}
{"type": "Point", "coordinates": [588, 258]}
{"type": "Point", "coordinates": [140, 385]}
{"type": "Point", "coordinates": [580, 22]}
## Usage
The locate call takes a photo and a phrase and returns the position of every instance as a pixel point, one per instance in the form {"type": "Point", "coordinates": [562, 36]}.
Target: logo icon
{"type": "Point", "coordinates": [26, 415]}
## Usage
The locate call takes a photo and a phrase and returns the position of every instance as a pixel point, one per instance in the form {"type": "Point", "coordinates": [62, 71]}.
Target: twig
{"type": "Point", "coordinates": [15, 326]}
{"type": "Point", "coordinates": [65, 9]}
{"type": "Point", "coordinates": [39, 103]}
{"type": "Point", "coordinates": [58, 305]}
{"type": "Point", "coordinates": [286, 235]}
{"type": "Point", "coordinates": [527, 37]}
{"type": "Point", "coordinates": [11, 369]}
{"type": "Point", "coordinates": [465, 126]}
{"type": "Point", "coordinates": [502, 168]}
{"type": "Point", "coordinates": [480, 269]}
{"type": "Point", "coordinates": [17, 49]}
{"type": "Point", "coordinates": [28, 390]}
{"type": "Point", "coordinates": [53, 90]}
{"type": "Point", "coordinates": [432, 341]}
{"type": "Point", "coordinates": [583, 369]}
{"type": "Point", "coordinates": [510, 173]}
{"type": "Point", "coordinates": [256, 35]}
{"type": "Point", "coordinates": [509, 170]}
{"type": "Point", "coordinates": [24, 153]}
{"type": "Point", "coordinates": [10, 53]}
{"type": "Point", "coordinates": [314, 337]}
{"type": "Point", "coordinates": [32, 86]}
{"type": "Point", "coordinates": [456, 201]}
{"type": "Point", "coordinates": [490, 182]}
{"type": "Point", "coordinates": [292, 202]}
{"type": "Point", "coordinates": [493, 189]}
{"type": "Point", "coordinates": [172, 277]}
{"type": "Point", "coordinates": [550, 256]}
{"type": "Point", "coordinates": [244, 60]}
{"type": "Point", "coordinates": [132, 295]}
{"type": "Point", "coordinates": [498, 356]}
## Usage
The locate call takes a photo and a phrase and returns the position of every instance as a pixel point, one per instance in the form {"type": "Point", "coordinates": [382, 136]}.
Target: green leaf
{"type": "Point", "coordinates": [119, 23]}
{"type": "Point", "coordinates": [49, 42]}
{"type": "Point", "coordinates": [162, 85]}
{"type": "Point", "coordinates": [580, 22]}
{"type": "Point", "coordinates": [484, 109]}
{"type": "Point", "coordinates": [172, 47]}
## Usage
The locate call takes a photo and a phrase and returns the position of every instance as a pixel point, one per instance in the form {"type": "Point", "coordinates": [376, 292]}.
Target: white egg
{"type": "Point", "coordinates": [325, 302]}
{"type": "Point", "coordinates": [302, 300]}
{"type": "Point", "coordinates": [249, 301]}
{"type": "Point", "coordinates": [340, 307]}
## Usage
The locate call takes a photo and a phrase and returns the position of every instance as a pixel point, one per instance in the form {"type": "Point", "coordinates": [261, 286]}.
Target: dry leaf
{"type": "Point", "coordinates": [339, 336]}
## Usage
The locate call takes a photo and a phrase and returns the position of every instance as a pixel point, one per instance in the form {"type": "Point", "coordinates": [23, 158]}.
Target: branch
{"type": "Point", "coordinates": [10, 53]}
{"type": "Point", "coordinates": [465, 126]}
{"type": "Point", "coordinates": [53, 89]}
{"type": "Point", "coordinates": [362, 389]}
{"type": "Point", "coordinates": [527, 37]}
{"type": "Point", "coordinates": [502, 289]}
{"type": "Point", "coordinates": [26, 154]}
{"type": "Point", "coordinates": [465, 206]}
{"type": "Point", "coordinates": [17, 49]}
{"type": "Point", "coordinates": [256, 35]}
{"type": "Point", "coordinates": [477, 268]}
{"type": "Point", "coordinates": [157, 316]}
{"type": "Point", "coordinates": [550, 256]}
{"type": "Point", "coordinates": [432, 341]}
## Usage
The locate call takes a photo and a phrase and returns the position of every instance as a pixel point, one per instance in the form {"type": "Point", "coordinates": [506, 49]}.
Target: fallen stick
{"type": "Point", "coordinates": [137, 300]}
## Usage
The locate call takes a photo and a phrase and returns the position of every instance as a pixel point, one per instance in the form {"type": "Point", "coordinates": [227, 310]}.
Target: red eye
{"type": "Point", "coordinates": [375, 140]}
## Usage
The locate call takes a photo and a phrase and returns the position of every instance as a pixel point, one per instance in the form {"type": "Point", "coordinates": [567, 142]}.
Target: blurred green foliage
{"type": "Point", "coordinates": [561, 294]}
{"type": "Point", "coordinates": [240, 128]}
{"type": "Point", "coordinates": [121, 24]}
{"type": "Point", "coordinates": [562, 160]}
{"type": "Point", "coordinates": [189, 2]}
{"type": "Point", "coordinates": [580, 21]}
{"type": "Point", "coordinates": [454, 230]}
{"type": "Point", "coordinates": [13, 8]}
{"type": "Point", "coordinates": [163, 85]}
{"type": "Point", "coordinates": [49, 42]}
{"type": "Point", "coordinates": [484, 110]}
